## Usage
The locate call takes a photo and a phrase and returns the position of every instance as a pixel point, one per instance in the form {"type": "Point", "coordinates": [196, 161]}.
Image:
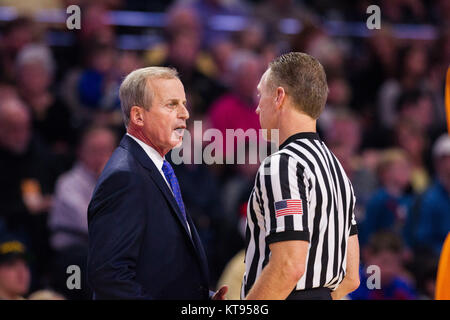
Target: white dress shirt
{"type": "Point", "coordinates": [157, 159]}
{"type": "Point", "coordinates": [154, 156]}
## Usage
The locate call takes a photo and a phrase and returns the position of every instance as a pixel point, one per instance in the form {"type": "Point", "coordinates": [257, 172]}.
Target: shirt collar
{"type": "Point", "coordinates": [151, 152]}
{"type": "Point", "coordinates": [300, 135]}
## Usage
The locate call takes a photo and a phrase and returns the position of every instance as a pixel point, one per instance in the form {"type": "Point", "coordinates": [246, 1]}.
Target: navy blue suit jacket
{"type": "Point", "coordinates": [139, 245]}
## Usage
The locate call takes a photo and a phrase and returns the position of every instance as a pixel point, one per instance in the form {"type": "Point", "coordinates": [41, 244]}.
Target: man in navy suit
{"type": "Point", "coordinates": [142, 242]}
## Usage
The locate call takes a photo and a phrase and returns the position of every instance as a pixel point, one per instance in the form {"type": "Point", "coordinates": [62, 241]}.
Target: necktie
{"type": "Point", "coordinates": [173, 182]}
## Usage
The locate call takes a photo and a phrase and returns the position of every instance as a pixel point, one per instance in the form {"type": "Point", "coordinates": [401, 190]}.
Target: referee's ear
{"type": "Point", "coordinates": [279, 98]}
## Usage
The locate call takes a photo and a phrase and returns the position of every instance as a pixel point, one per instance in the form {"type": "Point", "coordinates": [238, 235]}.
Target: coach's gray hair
{"type": "Point", "coordinates": [135, 92]}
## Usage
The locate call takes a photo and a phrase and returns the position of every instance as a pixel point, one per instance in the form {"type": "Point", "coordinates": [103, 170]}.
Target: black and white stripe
{"type": "Point", "coordinates": [303, 168]}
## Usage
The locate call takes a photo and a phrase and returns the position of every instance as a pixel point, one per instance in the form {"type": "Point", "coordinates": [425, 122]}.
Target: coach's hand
{"type": "Point", "coordinates": [220, 294]}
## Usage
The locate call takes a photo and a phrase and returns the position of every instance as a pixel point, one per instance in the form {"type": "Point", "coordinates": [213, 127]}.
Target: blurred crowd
{"type": "Point", "coordinates": [60, 120]}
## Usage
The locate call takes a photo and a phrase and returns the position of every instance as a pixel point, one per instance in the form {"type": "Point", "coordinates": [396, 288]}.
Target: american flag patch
{"type": "Point", "coordinates": [288, 207]}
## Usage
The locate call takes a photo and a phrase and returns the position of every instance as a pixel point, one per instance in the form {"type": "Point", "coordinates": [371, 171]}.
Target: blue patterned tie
{"type": "Point", "coordinates": [173, 182]}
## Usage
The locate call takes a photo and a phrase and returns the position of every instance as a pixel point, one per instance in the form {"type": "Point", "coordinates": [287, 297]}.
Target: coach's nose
{"type": "Point", "coordinates": [184, 113]}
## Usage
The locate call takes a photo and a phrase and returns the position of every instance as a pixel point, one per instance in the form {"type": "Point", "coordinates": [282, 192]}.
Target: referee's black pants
{"type": "Point", "coordinates": [311, 294]}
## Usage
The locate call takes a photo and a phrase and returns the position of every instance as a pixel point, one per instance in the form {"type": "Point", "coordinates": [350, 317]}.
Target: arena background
{"type": "Point", "coordinates": [60, 119]}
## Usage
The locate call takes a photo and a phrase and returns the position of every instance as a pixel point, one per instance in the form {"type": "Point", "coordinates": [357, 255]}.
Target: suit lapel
{"type": "Point", "coordinates": [135, 149]}
{"type": "Point", "coordinates": [198, 244]}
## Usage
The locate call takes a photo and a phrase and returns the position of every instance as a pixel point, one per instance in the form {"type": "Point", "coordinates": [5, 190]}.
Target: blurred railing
{"type": "Point", "coordinates": [226, 23]}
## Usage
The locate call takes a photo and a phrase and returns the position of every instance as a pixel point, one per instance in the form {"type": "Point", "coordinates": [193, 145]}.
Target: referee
{"type": "Point", "coordinates": [301, 238]}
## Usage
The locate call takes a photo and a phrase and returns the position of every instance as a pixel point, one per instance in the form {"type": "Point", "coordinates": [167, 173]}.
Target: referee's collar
{"type": "Point", "coordinates": [300, 135]}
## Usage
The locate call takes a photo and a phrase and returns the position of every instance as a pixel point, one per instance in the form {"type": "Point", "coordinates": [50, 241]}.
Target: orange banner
{"type": "Point", "coordinates": [443, 275]}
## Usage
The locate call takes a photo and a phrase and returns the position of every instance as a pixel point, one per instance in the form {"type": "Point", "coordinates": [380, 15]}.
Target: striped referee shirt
{"type": "Point", "coordinates": [301, 192]}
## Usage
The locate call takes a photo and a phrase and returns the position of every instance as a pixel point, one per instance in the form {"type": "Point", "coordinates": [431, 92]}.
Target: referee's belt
{"type": "Point", "coordinates": [321, 293]}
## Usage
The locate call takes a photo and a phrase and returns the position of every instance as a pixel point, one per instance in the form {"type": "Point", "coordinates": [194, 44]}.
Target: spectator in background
{"type": "Point", "coordinates": [284, 18]}
{"type": "Point", "coordinates": [338, 100]}
{"type": "Point", "coordinates": [97, 83]}
{"type": "Point", "coordinates": [14, 271]}
{"type": "Point", "coordinates": [46, 295]}
{"type": "Point", "coordinates": [436, 73]}
{"type": "Point", "coordinates": [423, 265]}
{"type": "Point", "coordinates": [416, 106]}
{"type": "Point", "coordinates": [183, 52]}
{"type": "Point", "coordinates": [50, 116]}
{"type": "Point", "coordinates": [370, 69]}
{"type": "Point", "coordinates": [343, 135]}
{"type": "Point", "coordinates": [96, 25]}
{"type": "Point", "coordinates": [430, 224]}
{"type": "Point", "coordinates": [236, 108]}
{"type": "Point", "coordinates": [27, 175]}
{"type": "Point", "coordinates": [208, 9]}
{"type": "Point", "coordinates": [251, 37]}
{"type": "Point", "coordinates": [232, 276]}
{"type": "Point", "coordinates": [387, 209]}
{"type": "Point", "coordinates": [222, 50]}
{"type": "Point", "coordinates": [7, 91]}
{"type": "Point", "coordinates": [385, 250]}
{"type": "Point", "coordinates": [411, 11]}
{"type": "Point", "coordinates": [68, 216]}
{"type": "Point", "coordinates": [92, 92]}
{"type": "Point", "coordinates": [15, 35]}
{"type": "Point", "coordinates": [413, 62]}
{"type": "Point", "coordinates": [412, 139]}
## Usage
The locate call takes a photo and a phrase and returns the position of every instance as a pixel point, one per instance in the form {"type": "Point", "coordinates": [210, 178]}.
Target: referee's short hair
{"type": "Point", "coordinates": [303, 78]}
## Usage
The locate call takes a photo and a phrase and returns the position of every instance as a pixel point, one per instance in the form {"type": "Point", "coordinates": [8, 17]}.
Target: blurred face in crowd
{"type": "Point", "coordinates": [18, 37]}
{"type": "Point", "coordinates": [252, 37]}
{"type": "Point", "coordinates": [162, 125]}
{"type": "Point", "coordinates": [14, 126]}
{"type": "Point", "coordinates": [14, 279]}
{"type": "Point", "coordinates": [420, 112]}
{"type": "Point", "coordinates": [411, 139]}
{"type": "Point", "coordinates": [183, 19]}
{"type": "Point", "coordinates": [416, 61]}
{"type": "Point", "coordinates": [103, 60]}
{"type": "Point", "coordinates": [222, 52]}
{"type": "Point", "coordinates": [184, 49]}
{"type": "Point", "coordinates": [424, 111]}
{"type": "Point", "coordinates": [383, 46]}
{"type": "Point", "coordinates": [34, 78]}
{"type": "Point", "coordinates": [340, 92]}
{"type": "Point", "coordinates": [268, 116]}
{"type": "Point", "coordinates": [96, 149]}
{"type": "Point", "coordinates": [347, 133]}
{"type": "Point", "coordinates": [397, 174]}
{"type": "Point", "coordinates": [246, 78]}
{"type": "Point", "coordinates": [389, 263]}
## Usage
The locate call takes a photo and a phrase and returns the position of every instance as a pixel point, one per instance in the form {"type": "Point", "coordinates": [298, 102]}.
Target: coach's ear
{"type": "Point", "coordinates": [137, 116]}
{"type": "Point", "coordinates": [279, 98]}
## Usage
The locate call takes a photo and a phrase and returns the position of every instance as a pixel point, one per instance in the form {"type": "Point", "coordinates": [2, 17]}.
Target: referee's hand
{"type": "Point", "coordinates": [220, 294]}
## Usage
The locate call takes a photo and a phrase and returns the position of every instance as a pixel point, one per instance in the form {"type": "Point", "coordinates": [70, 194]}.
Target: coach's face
{"type": "Point", "coordinates": [267, 107]}
{"type": "Point", "coordinates": [163, 124]}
